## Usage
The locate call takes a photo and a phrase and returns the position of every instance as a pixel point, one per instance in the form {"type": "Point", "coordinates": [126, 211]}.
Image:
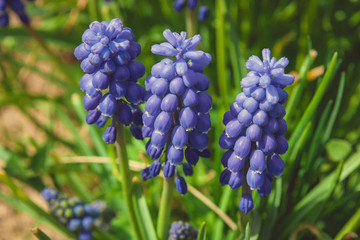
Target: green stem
{"type": "Point", "coordinates": [191, 23]}
{"type": "Point", "coordinates": [165, 208]}
{"type": "Point", "coordinates": [125, 176]}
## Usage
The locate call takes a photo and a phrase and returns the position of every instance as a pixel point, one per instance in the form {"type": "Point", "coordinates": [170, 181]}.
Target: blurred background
{"type": "Point", "coordinates": [46, 142]}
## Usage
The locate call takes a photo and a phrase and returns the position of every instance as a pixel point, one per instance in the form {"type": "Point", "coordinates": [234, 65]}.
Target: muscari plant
{"type": "Point", "coordinates": [254, 129]}
{"type": "Point", "coordinates": [17, 6]}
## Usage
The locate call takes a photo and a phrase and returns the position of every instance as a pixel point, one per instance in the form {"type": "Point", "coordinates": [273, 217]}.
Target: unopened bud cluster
{"type": "Point", "coordinates": [176, 116]}
{"type": "Point", "coordinates": [111, 74]}
{"type": "Point", "coordinates": [77, 216]}
{"type": "Point", "coordinates": [17, 6]}
{"type": "Point", "coordinates": [182, 231]}
{"type": "Point", "coordinates": [254, 130]}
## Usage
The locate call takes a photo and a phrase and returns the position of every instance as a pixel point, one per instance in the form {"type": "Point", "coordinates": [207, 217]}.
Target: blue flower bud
{"type": "Point", "coordinates": [242, 147]}
{"type": "Point", "coordinates": [254, 179]}
{"type": "Point", "coordinates": [236, 179]}
{"type": "Point", "coordinates": [197, 67]}
{"type": "Point", "coordinates": [258, 94]}
{"type": "Point", "coordinates": [177, 86]}
{"type": "Point", "coordinates": [198, 140]}
{"type": "Point", "coordinates": [228, 117]}
{"type": "Point", "coordinates": [160, 87]}
{"type": "Point", "coordinates": [100, 80]}
{"type": "Point", "coordinates": [145, 174]}
{"type": "Point", "coordinates": [190, 98]}
{"type": "Point", "coordinates": [251, 105]}
{"type": "Point", "coordinates": [257, 161]}
{"type": "Point", "coordinates": [159, 139]}
{"type": "Point", "coordinates": [153, 151]}
{"type": "Point", "coordinates": [179, 137]}
{"type": "Point", "coordinates": [265, 189]}
{"type": "Point", "coordinates": [266, 106]}
{"type": "Point", "coordinates": [204, 102]}
{"type": "Point", "coordinates": [203, 13]}
{"type": "Point", "coordinates": [235, 109]}
{"type": "Point", "coordinates": [136, 132]}
{"type": "Point", "coordinates": [137, 69]}
{"type": "Point", "coordinates": [49, 193]}
{"type": "Point", "coordinates": [118, 89]}
{"type": "Point", "coordinates": [168, 71]}
{"type": "Point", "coordinates": [155, 168]}
{"type": "Point", "coordinates": [148, 119]}
{"type": "Point", "coordinates": [272, 126]}
{"type": "Point", "coordinates": [272, 95]}
{"type": "Point", "coordinates": [121, 74]}
{"type": "Point", "coordinates": [146, 131]}
{"type": "Point", "coordinates": [188, 169]}
{"type": "Point", "coordinates": [135, 93]}
{"type": "Point", "coordinates": [225, 157]}
{"type": "Point", "coordinates": [181, 67]}
{"type": "Point", "coordinates": [204, 122]}
{"type": "Point", "coordinates": [203, 82]}
{"type": "Point", "coordinates": [169, 170]}
{"type": "Point", "coordinates": [181, 186]}
{"type": "Point", "coordinates": [260, 118]}
{"type": "Point", "coordinates": [81, 52]}
{"type": "Point", "coordinates": [124, 114]}
{"type": "Point", "coordinates": [85, 235]}
{"type": "Point", "coordinates": [249, 81]}
{"type": "Point", "coordinates": [4, 20]}
{"type": "Point", "coordinates": [163, 122]}
{"type": "Point", "coordinates": [245, 117]}
{"type": "Point", "coordinates": [93, 116]}
{"type": "Point", "coordinates": [268, 143]}
{"type": "Point", "coordinates": [109, 135]}
{"type": "Point", "coordinates": [205, 153]}
{"type": "Point", "coordinates": [225, 142]}
{"type": "Point", "coordinates": [189, 78]}
{"type": "Point", "coordinates": [153, 104]}
{"type": "Point", "coordinates": [282, 127]}
{"type": "Point", "coordinates": [282, 145]}
{"type": "Point", "coordinates": [79, 211]}
{"type": "Point", "coordinates": [86, 85]}
{"type": "Point", "coordinates": [246, 203]}
{"type": "Point", "coordinates": [169, 103]}
{"type": "Point", "coordinates": [225, 177]}
{"type": "Point", "coordinates": [192, 4]}
{"type": "Point", "coordinates": [275, 165]}
{"type": "Point", "coordinates": [235, 163]}
{"type": "Point", "coordinates": [108, 105]}
{"type": "Point", "coordinates": [74, 224]}
{"type": "Point", "coordinates": [101, 121]}
{"type": "Point", "coordinates": [192, 156]}
{"type": "Point", "coordinates": [174, 155]}
{"type": "Point", "coordinates": [91, 103]}
{"type": "Point", "coordinates": [137, 115]}
{"type": "Point", "coordinates": [254, 132]}
{"type": "Point", "coordinates": [87, 223]}
{"type": "Point", "coordinates": [108, 67]}
{"type": "Point", "coordinates": [233, 128]}
{"type": "Point", "coordinates": [188, 118]}
{"type": "Point", "coordinates": [240, 99]}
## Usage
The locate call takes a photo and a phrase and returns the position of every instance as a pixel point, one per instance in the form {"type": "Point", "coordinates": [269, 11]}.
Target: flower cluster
{"type": "Point", "coordinates": [77, 216]}
{"type": "Point", "coordinates": [110, 80]}
{"type": "Point", "coordinates": [17, 6]}
{"type": "Point", "coordinates": [182, 231]}
{"type": "Point", "coordinates": [177, 112]}
{"type": "Point", "coordinates": [203, 13]}
{"type": "Point", "coordinates": [255, 127]}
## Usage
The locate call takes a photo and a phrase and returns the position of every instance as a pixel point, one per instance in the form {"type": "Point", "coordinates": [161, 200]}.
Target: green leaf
{"type": "Point", "coordinates": [338, 149]}
{"type": "Point", "coordinates": [202, 232]}
{"type": "Point", "coordinates": [224, 202]}
{"type": "Point", "coordinates": [39, 234]}
{"type": "Point", "coordinates": [352, 225]}
{"type": "Point", "coordinates": [148, 230]}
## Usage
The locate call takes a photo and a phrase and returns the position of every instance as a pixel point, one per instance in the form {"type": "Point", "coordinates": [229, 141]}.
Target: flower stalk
{"type": "Point", "coordinates": [163, 221]}
{"type": "Point", "coordinates": [125, 176]}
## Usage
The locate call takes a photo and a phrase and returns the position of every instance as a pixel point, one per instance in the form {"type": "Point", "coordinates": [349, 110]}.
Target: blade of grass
{"type": "Point", "coordinates": [39, 234]}
{"type": "Point", "coordinates": [202, 232]}
{"type": "Point", "coordinates": [224, 202]}
{"type": "Point", "coordinates": [350, 226]}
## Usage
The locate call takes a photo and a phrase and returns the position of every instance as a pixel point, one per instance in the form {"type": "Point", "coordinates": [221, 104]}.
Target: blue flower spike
{"type": "Point", "coordinates": [176, 117]}
{"type": "Point", "coordinates": [254, 129]}
{"type": "Point", "coordinates": [182, 230]}
{"type": "Point", "coordinates": [107, 57]}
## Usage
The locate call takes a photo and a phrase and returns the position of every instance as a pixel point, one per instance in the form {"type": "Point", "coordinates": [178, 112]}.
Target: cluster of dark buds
{"type": "Point", "coordinates": [254, 130]}
{"type": "Point", "coordinates": [17, 6]}
{"type": "Point", "coordinates": [182, 231]}
{"type": "Point", "coordinates": [110, 80]}
{"type": "Point", "coordinates": [176, 116]}
{"type": "Point", "coordinates": [203, 13]}
{"type": "Point", "coordinates": [77, 216]}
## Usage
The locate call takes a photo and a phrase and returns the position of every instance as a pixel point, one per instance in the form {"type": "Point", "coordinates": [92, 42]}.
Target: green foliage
{"type": "Point", "coordinates": [321, 185]}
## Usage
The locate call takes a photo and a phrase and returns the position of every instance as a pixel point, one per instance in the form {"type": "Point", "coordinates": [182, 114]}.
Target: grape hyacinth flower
{"type": "Point", "coordinates": [254, 129]}
{"type": "Point", "coordinates": [182, 231]}
{"type": "Point", "coordinates": [17, 6]}
{"type": "Point", "coordinates": [77, 216]}
{"type": "Point", "coordinates": [176, 116]}
{"type": "Point", "coordinates": [203, 13]}
{"type": "Point", "coordinates": [110, 80]}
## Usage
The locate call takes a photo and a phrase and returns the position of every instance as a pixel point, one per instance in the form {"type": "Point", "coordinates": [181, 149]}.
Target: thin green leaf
{"type": "Point", "coordinates": [202, 232]}
{"type": "Point", "coordinates": [39, 234]}
{"type": "Point", "coordinates": [148, 230]}
{"type": "Point", "coordinates": [224, 202]}
{"type": "Point", "coordinates": [352, 225]}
